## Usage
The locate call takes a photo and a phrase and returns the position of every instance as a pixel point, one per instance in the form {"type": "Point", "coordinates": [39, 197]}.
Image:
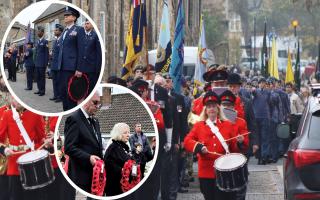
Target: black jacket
{"type": "Point", "coordinates": [115, 157]}
{"type": "Point", "coordinates": [80, 143]}
{"type": "Point", "coordinates": [146, 154]}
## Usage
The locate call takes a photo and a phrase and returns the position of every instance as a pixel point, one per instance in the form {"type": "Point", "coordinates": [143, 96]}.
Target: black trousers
{"type": "Point", "coordinates": [55, 83]}
{"type": "Point", "coordinates": [12, 71]}
{"type": "Point", "coordinates": [41, 79]}
{"type": "Point", "coordinates": [29, 73]}
{"type": "Point", "coordinates": [57, 190]}
{"type": "Point", "coordinates": [17, 192]}
{"type": "Point", "coordinates": [4, 185]}
{"type": "Point", "coordinates": [210, 190]}
{"type": "Point", "coordinates": [66, 101]}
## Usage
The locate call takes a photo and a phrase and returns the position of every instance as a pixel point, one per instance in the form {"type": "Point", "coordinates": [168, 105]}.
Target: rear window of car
{"type": "Point", "coordinates": [314, 132]}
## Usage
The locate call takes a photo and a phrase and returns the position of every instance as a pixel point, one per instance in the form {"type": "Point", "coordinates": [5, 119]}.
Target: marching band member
{"type": "Point", "coordinates": [217, 76]}
{"type": "Point", "coordinates": [228, 100]}
{"type": "Point", "coordinates": [208, 147]}
{"type": "Point", "coordinates": [4, 182]}
{"type": "Point", "coordinates": [234, 84]}
{"type": "Point", "coordinates": [34, 125]}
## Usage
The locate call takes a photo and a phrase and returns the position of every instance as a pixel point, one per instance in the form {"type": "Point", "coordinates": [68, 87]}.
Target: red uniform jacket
{"type": "Point", "coordinates": [34, 125]}
{"type": "Point", "coordinates": [201, 135]}
{"type": "Point", "coordinates": [240, 127]}
{"type": "Point", "coordinates": [239, 107]}
{"type": "Point", "coordinates": [197, 106]}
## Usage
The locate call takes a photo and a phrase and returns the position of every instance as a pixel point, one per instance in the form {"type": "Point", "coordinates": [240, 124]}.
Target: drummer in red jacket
{"type": "Point", "coordinates": [228, 100]}
{"type": "Point", "coordinates": [217, 77]}
{"type": "Point", "coordinates": [34, 125]}
{"type": "Point", "coordinates": [205, 143]}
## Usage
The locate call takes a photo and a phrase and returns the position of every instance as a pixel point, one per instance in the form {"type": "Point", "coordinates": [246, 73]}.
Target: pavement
{"type": "Point", "coordinates": [36, 102]}
{"type": "Point", "coordinates": [265, 183]}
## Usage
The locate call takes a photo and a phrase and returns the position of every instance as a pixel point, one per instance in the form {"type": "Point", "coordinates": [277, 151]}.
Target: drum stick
{"type": "Point", "coordinates": [237, 136]}
{"type": "Point", "coordinates": [215, 153]}
{"type": "Point", "coordinates": [18, 152]}
{"type": "Point", "coordinates": [44, 144]}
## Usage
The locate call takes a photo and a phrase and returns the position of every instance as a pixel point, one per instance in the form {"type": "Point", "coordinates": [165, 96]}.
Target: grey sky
{"type": "Point", "coordinates": [32, 12]}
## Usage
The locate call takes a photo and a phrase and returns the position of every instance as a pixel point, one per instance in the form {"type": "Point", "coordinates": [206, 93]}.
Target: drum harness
{"type": "Point", "coordinates": [23, 131]}
{"type": "Point", "coordinates": [215, 130]}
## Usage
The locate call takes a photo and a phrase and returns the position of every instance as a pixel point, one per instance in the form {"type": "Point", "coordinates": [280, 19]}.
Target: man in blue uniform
{"type": "Point", "coordinates": [29, 64]}
{"type": "Point", "coordinates": [54, 63]}
{"type": "Point", "coordinates": [68, 55]}
{"type": "Point", "coordinates": [89, 54]}
{"type": "Point", "coordinates": [41, 61]}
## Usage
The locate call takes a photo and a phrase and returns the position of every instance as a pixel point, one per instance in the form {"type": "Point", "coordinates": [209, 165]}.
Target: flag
{"type": "Point", "coordinates": [164, 45]}
{"type": "Point", "coordinates": [289, 72]}
{"type": "Point", "coordinates": [273, 62]}
{"type": "Point", "coordinates": [177, 50]}
{"type": "Point", "coordinates": [297, 68]}
{"type": "Point", "coordinates": [135, 36]}
{"type": "Point", "coordinates": [264, 52]}
{"type": "Point", "coordinates": [202, 57]}
{"type": "Point", "coordinates": [28, 36]}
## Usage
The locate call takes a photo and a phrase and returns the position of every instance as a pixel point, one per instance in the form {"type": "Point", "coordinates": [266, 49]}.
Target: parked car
{"type": "Point", "coordinates": [301, 168]}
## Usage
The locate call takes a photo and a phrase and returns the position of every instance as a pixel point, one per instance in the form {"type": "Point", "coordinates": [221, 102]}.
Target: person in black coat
{"type": "Point", "coordinates": [89, 58]}
{"type": "Point", "coordinates": [29, 64]}
{"type": "Point", "coordinates": [115, 157]}
{"type": "Point", "coordinates": [83, 143]}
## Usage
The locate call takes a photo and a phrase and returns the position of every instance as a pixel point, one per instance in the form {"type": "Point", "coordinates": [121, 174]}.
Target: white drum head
{"type": "Point", "coordinates": [32, 156]}
{"type": "Point", "coordinates": [230, 161]}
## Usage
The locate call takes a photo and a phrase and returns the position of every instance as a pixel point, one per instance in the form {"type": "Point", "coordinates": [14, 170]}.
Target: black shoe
{"type": "Point", "coordinates": [262, 162]}
{"type": "Point", "coordinates": [58, 100]}
{"type": "Point", "coordinates": [38, 92]}
{"type": "Point", "coordinates": [41, 94]}
{"type": "Point", "coordinates": [27, 88]}
{"type": "Point", "coordinates": [181, 190]}
{"type": "Point", "coordinates": [14, 80]}
{"type": "Point", "coordinates": [191, 179]}
{"type": "Point", "coordinates": [53, 99]}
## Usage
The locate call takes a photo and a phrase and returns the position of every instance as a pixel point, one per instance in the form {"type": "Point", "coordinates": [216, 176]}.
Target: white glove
{"type": "Point", "coordinates": [8, 152]}
{"type": "Point", "coordinates": [167, 147]}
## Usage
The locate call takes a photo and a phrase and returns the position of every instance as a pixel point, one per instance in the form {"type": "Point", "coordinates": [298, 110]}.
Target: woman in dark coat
{"type": "Point", "coordinates": [115, 157]}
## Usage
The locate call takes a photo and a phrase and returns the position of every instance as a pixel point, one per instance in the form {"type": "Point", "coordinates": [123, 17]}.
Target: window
{"type": "Point", "coordinates": [314, 126]}
{"type": "Point", "coordinates": [234, 23]}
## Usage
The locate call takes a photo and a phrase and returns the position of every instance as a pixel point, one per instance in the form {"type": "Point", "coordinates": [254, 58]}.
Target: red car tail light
{"type": "Point", "coordinates": [303, 157]}
{"type": "Point", "coordinates": [307, 196]}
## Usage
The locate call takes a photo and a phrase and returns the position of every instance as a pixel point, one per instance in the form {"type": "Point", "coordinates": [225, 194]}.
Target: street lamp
{"type": "Point", "coordinates": [295, 23]}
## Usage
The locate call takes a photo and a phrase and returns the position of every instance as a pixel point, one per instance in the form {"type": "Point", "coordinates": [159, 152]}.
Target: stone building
{"type": "Point", "coordinates": [230, 52]}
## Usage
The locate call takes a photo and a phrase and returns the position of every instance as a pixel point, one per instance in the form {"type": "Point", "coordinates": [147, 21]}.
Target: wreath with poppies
{"type": "Point", "coordinates": [128, 181]}
{"type": "Point", "coordinates": [98, 178]}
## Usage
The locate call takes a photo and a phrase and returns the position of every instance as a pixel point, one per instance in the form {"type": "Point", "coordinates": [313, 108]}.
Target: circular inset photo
{"type": "Point", "coordinates": [53, 57]}
{"type": "Point", "coordinates": [108, 147]}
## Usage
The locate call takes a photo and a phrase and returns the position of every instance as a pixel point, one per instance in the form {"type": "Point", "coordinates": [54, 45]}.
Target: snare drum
{"type": "Point", "coordinates": [35, 169]}
{"type": "Point", "coordinates": [231, 172]}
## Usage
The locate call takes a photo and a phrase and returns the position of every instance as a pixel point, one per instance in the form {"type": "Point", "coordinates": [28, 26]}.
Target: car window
{"type": "Point", "coordinates": [303, 120]}
{"type": "Point", "coordinates": [314, 132]}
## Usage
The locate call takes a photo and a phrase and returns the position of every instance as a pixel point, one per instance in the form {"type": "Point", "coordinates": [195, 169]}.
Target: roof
{"type": "Point", "coordinates": [124, 108]}
{"type": "Point", "coordinates": [53, 8]}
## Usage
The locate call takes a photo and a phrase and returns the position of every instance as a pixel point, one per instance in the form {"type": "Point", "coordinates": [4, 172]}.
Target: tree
{"type": "Point", "coordinates": [215, 35]}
